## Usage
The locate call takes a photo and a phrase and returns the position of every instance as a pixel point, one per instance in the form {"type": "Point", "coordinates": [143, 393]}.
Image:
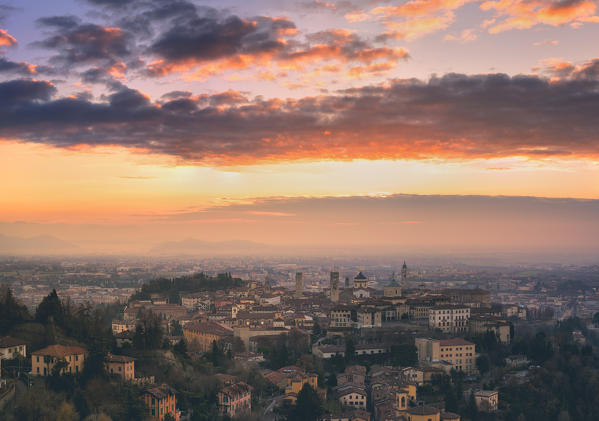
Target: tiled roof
{"type": "Point", "coordinates": [8, 341]}
{"type": "Point", "coordinates": [118, 358]}
{"type": "Point", "coordinates": [423, 410]}
{"type": "Point", "coordinates": [60, 351]}
{"type": "Point", "coordinates": [160, 392]}
{"type": "Point", "coordinates": [210, 327]}
{"type": "Point", "coordinates": [454, 342]}
{"type": "Point", "coordinates": [240, 388]}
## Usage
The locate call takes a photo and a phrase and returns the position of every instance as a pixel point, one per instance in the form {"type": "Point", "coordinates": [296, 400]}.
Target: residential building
{"type": "Point", "coordinates": [369, 317]}
{"type": "Point", "coordinates": [12, 348]}
{"type": "Point", "coordinates": [44, 360]}
{"type": "Point", "coordinates": [458, 352]}
{"type": "Point", "coordinates": [295, 383]}
{"type": "Point", "coordinates": [350, 395]}
{"type": "Point", "coordinates": [120, 365]}
{"type": "Point", "coordinates": [203, 334]}
{"type": "Point", "coordinates": [342, 316]}
{"type": "Point", "coordinates": [161, 401]}
{"type": "Point", "coordinates": [480, 325]}
{"type": "Point", "coordinates": [235, 399]}
{"type": "Point", "coordinates": [423, 413]}
{"type": "Point", "coordinates": [449, 318]}
{"type": "Point", "coordinates": [486, 400]}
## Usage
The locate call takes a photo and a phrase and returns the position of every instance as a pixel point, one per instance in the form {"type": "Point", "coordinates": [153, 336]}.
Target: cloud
{"type": "Point", "coordinates": [524, 14]}
{"type": "Point", "coordinates": [7, 66]}
{"type": "Point", "coordinates": [451, 117]}
{"type": "Point", "coordinates": [7, 40]}
{"type": "Point", "coordinates": [84, 44]}
{"type": "Point", "coordinates": [467, 35]}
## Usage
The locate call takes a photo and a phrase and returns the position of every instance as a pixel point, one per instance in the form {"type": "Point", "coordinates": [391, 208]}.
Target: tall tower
{"type": "Point", "coordinates": [404, 273]}
{"type": "Point", "coordinates": [299, 284]}
{"type": "Point", "coordinates": [335, 287]}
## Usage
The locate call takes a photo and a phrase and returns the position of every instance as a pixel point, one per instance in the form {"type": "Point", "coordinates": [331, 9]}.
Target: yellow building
{"type": "Point", "coordinates": [423, 413]}
{"type": "Point", "coordinates": [120, 365]}
{"type": "Point", "coordinates": [44, 360]}
{"type": "Point", "coordinates": [202, 334]}
{"type": "Point", "coordinates": [296, 382]}
{"type": "Point", "coordinates": [458, 352]}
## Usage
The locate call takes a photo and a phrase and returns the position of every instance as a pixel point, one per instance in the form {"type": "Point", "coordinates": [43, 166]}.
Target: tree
{"type": "Point", "coordinates": [11, 312]}
{"type": "Point", "coordinates": [404, 355]}
{"type": "Point", "coordinates": [350, 349]}
{"type": "Point", "coordinates": [482, 363]}
{"type": "Point", "coordinates": [596, 319]}
{"type": "Point", "coordinates": [67, 412]}
{"type": "Point", "coordinates": [181, 347]}
{"type": "Point", "coordinates": [308, 406]}
{"type": "Point", "coordinates": [50, 308]}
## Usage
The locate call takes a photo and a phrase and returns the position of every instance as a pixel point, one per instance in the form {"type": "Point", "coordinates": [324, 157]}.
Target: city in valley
{"type": "Point", "coordinates": [272, 338]}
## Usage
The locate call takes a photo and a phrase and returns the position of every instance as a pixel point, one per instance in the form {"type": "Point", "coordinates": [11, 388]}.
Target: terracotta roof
{"type": "Point", "coordinates": [60, 351]}
{"type": "Point", "coordinates": [8, 341]}
{"type": "Point", "coordinates": [240, 388]}
{"type": "Point", "coordinates": [454, 341]}
{"type": "Point", "coordinates": [160, 392]}
{"type": "Point", "coordinates": [449, 416]}
{"type": "Point", "coordinates": [210, 327]}
{"type": "Point", "coordinates": [423, 410]}
{"type": "Point", "coordinates": [118, 358]}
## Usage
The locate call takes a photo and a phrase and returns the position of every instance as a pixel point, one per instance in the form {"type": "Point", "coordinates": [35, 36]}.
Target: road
{"type": "Point", "coordinates": [269, 415]}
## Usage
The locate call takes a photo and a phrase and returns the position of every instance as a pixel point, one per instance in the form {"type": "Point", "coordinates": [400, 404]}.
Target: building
{"type": "Point", "coordinates": [235, 399]}
{"type": "Point", "coordinates": [12, 348]}
{"type": "Point", "coordinates": [458, 352]}
{"type": "Point", "coordinates": [161, 401]}
{"type": "Point", "coordinates": [360, 281]}
{"type": "Point", "coordinates": [486, 400]}
{"type": "Point", "coordinates": [393, 289]}
{"type": "Point", "coordinates": [423, 413]}
{"type": "Point", "coordinates": [335, 287]}
{"type": "Point", "coordinates": [299, 285]}
{"type": "Point", "coordinates": [449, 318]}
{"type": "Point", "coordinates": [71, 357]}
{"type": "Point", "coordinates": [350, 395]}
{"type": "Point", "coordinates": [296, 381]}
{"type": "Point", "coordinates": [475, 297]}
{"type": "Point", "coordinates": [342, 316]}
{"type": "Point", "coordinates": [120, 365]}
{"type": "Point", "coordinates": [119, 326]}
{"type": "Point", "coordinates": [203, 334]}
{"type": "Point", "coordinates": [196, 301]}
{"type": "Point", "coordinates": [480, 325]}
{"type": "Point", "coordinates": [369, 317]}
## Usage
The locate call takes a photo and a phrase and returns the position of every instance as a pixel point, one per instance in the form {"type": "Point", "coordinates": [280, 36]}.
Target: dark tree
{"type": "Point", "coordinates": [308, 406]}
{"type": "Point", "coordinates": [50, 308]}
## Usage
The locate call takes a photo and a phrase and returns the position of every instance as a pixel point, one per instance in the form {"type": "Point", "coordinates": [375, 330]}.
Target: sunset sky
{"type": "Point", "coordinates": [283, 122]}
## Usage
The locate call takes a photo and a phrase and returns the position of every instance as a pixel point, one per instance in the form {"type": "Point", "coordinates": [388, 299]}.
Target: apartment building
{"type": "Point", "coordinates": [449, 318]}
{"type": "Point", "coordinates": [120, 365]}
{"type": "Point", "coordinates": [235, 400]}
{"type": "Point", "coordinates": [161, 401]}
{"type": "Point", "coordinates": [12, 348]}
{"type": "Point", "coordinates": [458, 352]}
{"type": "Point", "coordinates": [203, 334]}
{"type": "Point", "coordinates": [44, 360]}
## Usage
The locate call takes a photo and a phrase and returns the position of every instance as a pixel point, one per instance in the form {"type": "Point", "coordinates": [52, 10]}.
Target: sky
{"type": "Point", "coordinates": [173, 119]}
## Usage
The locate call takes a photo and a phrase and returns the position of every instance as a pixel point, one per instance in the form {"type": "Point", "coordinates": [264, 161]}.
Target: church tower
{"type": "Point", "coordinates": [404, 273]}
{"type": "Point", "coordinates": [335, 287]}
{"type": "Point", "coordinates": [299, 285]}
{"type": "Point", "coordinates": [393, 289]}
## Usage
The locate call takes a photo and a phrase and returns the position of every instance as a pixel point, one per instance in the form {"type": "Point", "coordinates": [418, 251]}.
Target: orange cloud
{"type": "Point", "coordinates": [7, 40]}
{"type": "Point", "coordinates": [524, 14]}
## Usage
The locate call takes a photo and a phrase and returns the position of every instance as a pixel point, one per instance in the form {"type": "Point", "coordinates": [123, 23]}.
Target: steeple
{"type": "Point", "coordinates": [404, 273]}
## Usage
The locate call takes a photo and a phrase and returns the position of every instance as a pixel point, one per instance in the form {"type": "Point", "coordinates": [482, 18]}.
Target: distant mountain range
{"type": "Point", "coordinates": [195, 246]}
{"type": "Point", "coordinates": [41, 244]}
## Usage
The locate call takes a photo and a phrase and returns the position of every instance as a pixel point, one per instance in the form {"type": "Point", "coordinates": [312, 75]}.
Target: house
{"type": "Point", "coordinates": [203, 334]}
{"type": "Point", "coordinates": [457, 352]}
{"type": "Point", "coordinates": [486, 400]}
{"type": "Point", "coordinates": [423, 413]}
{"type": "Point", "coordinates": [354, 415]}
{"type": "Point", "coordinates": [350, 395]}
{"type": "Point", "coordinates": [120, 365]}
{"type": "Point", "coordinates": [235, 399]}
{"type": "Point", "coordinates": [12, 348]}
{"type": "Point", "coordinates": [161, 401]}
{"type": "Point", "coordinates": [44, 360]}
{"type": "Point", "coordinates": [296, 382]}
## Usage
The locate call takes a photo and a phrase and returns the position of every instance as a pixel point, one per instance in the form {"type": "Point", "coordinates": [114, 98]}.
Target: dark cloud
{"type": "Point", "coordinates": [82, 44]}
{"type": "Point", "coordinates": [16, 92]}
{"type": "Point", "coordinates": [454, 116]}
{"type": "Point", "coordinates": [7, 66]}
